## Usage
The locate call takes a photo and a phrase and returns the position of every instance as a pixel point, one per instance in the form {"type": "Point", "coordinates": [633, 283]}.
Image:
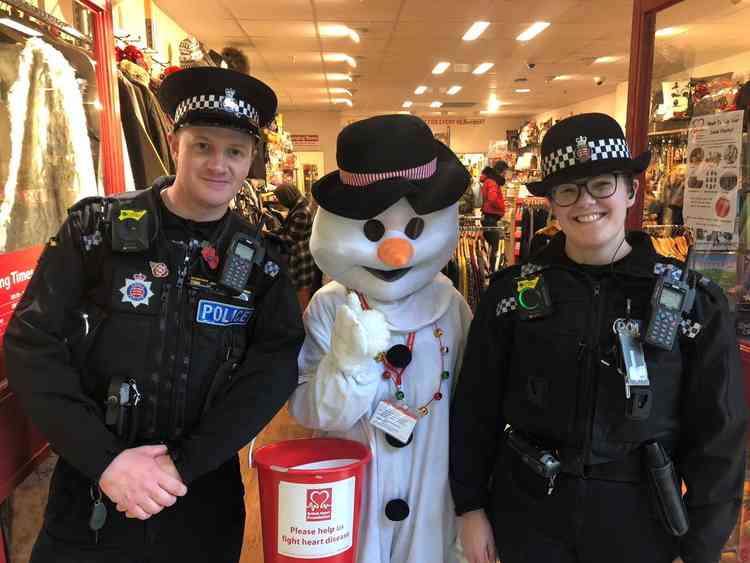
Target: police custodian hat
{"type": "Point", "coordinates": [217, 97]}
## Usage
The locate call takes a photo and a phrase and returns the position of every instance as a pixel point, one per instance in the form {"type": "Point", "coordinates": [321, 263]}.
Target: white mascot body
{"type": "Point", "coordinates": [388, 291]}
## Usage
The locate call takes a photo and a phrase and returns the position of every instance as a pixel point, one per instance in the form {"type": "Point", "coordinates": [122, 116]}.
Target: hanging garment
{"type": "Point", "coordinates": [51, 166]}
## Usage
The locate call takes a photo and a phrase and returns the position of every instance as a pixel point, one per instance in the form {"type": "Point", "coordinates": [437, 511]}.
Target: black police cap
{"type": "Point", "coordinates": [217, 97]}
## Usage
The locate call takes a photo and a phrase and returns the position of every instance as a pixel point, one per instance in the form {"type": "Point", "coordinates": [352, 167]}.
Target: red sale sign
{"type": "Point", "coordinates": [16, 269]}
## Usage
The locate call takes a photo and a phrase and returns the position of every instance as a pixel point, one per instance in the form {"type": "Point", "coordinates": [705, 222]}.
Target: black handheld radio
{"type": "Point", "coordinates": [670, 300]}
{"type": "Point", "coordinates": [242, 254]}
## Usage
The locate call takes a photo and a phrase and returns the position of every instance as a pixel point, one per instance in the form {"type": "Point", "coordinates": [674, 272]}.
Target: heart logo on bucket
{"type": "Point", "coordinates": [319, 504]}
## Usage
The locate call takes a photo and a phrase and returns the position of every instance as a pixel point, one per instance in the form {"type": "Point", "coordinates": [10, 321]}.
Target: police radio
{"type": "Point", "coordinates": [532, 298]}
{"type": "Point", "coordinates": [671, 298]}
{"type": "Point", "coordinates": [242, 254]}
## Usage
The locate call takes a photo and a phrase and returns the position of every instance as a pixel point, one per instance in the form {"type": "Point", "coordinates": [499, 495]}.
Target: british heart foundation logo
{"type": "Point", "coordinates": [319, 503]}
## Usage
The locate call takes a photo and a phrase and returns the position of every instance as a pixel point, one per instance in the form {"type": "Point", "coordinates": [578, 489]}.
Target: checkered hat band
{"type": "Point", "coordinates": [359, 179]}
{"type": "Point", "coordinates": [215, 102]}
{"type": "Point", "coordinates": [601, 149]}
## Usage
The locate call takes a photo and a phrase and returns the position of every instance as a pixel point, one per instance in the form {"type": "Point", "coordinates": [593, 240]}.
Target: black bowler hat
{"type": "Point", "coordinates": [585, 145]}
{"type": "Point", "coordinates": [385, 158]}
{"type": "Point", "coordinates": [217, 97]}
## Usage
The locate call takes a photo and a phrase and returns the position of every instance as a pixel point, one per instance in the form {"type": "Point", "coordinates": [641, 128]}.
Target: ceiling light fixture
{"type": "Point", "coordinates": [340, 91]}
{"type": "Point", "coordinates": [563, 77]}
{"type": "Point", "coordinates": [475, 30]}
{"type": "Point", "coordinates": [340, 57]}
{"type": "Point", "coordinates": [339, 31]}
{"type": "Point", "coordinates": [436, 104]}
{"type": "Point", "coordinates": [493, 104]}
{"type": "Point", "coordinates": [532, 31]}
{"type": "Point", "coordinates": [407, 104]}
{"type": "Point", "coordinates": [523, 90]}
{"type": "Point", "coordinates": [441, 67]}
{"type": "Point", "coordinates": [670, 31]}
{"type": "Point", "coordinates": [7, 22]}
{"type": "Point", "coordinates": [453, 90]}
{"type": "Point", "coordinates": [482, 68]}
{"type": "Point", "coordinates": [606, 60]}
{"type": "Point", "coordinates": [346, 101]}
{"type": "Point", "coordinates": [420, 90]}
{"type": "Point", "coordinates": [338, 77]}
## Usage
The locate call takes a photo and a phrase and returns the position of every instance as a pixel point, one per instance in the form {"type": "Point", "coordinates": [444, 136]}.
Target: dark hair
{"type": "Point", "coordinates": [501, 166]}
{"type": "Point", "coordinates": [236, 59]}
{"type": "Point", "coordinates": [487, 170]}
{"type": "Point", "coordinates": [287, 195]}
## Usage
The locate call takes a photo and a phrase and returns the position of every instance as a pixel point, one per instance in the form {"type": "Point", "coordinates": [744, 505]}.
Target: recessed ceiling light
{"type": "Point", "coordinates": [407, 104]}
{"type": "Point", "coordinates": [532, 31]}
{"type": "Point", "coordinates": [339, 31]}
{"type": "Point", "coordinates": [7, 22]}
{"type": "Point", "coordinates": [340, 57]}
{"type": "Point", "coordinates": [346, 101]}
{"type": "Point", "coordinates": [340, 91]}
{"type": "Point", "coordinates": [436, 104]}
{"type": "Point", "coordinates": [482, 68]}
{"type": "Point", "coordinates": [420, 90]}
{"type": "Point", "coordinates": [453, 90]}
{"type": "Point", "coordinates": [523, 90]}
{"type": "Point", "coordinates": [606, 60]}
{"type": "Point", "coordinates": [338, 77]}
{"type": "Point", "coordinates": [563, 77]}
{"type": "Point", "coordinates": [670, 31]}
{"type": "Point", "coordinates": [441, 67]}
{"type": "Point", "coordinates": [475, 30]}
{"type": "Point", "coordinates": [493, 104]}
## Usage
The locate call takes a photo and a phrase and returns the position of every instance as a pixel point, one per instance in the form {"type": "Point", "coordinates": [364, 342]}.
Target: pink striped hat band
{"type": "Point", "coordinates": [361, 179]}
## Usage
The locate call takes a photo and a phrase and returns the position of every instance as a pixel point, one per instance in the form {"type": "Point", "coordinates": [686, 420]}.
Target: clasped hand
{"type": "Point", "coordinates": [142, 481]}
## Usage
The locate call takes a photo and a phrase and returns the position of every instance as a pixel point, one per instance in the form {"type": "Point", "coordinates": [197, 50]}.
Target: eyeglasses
{"type": "Point", "coordinates": [599, 187]}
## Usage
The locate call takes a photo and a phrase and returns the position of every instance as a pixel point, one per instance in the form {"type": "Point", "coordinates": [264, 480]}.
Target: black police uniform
{"type": "Point", "coordinates": [555, 380]}
{"type": "Point", "coordinates": [92, 315]}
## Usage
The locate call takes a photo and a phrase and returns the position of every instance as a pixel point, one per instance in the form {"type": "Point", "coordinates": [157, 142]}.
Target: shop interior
{"type": "Point", "coordinates": [490, 91]}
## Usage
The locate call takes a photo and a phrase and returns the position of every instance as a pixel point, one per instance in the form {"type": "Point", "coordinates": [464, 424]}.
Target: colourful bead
{"type": "Point", "coordinates": [438, 332]}
{"type": "Point", "coordinates": [386, 375]}
{"type": "Point", "coordinates": [445, 375]}
{"type": "Point", "coordinates": [423, 411]}
{"type": "Point", "coordinates": [400, 395]}
{"type": "Point", "coordinates": [438, 396]}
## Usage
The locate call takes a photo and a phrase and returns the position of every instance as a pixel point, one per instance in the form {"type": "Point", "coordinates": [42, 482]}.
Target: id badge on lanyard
{"type": "Point", "coordinates": [628, 333]}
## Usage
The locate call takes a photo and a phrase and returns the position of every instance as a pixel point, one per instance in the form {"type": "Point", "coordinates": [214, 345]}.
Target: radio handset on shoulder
{"type": "Point", "coordinates": [670, 300]}
{"type": "Point", "coordinates": [243, 254]}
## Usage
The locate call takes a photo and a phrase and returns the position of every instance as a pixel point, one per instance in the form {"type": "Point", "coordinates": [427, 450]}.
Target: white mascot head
{"type": "Point", "coordinates": [388, 218]}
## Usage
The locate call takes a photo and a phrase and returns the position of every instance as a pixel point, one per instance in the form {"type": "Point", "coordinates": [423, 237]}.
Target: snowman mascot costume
{"type": "Point", "coordinates": [385, 338]}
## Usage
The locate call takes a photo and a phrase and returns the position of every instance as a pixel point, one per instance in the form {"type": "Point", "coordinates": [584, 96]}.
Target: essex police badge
{"type": "Point", "coordinates": [136, 291]}
{"type": "Point", "coordinates": [230, 104]}
{"type": "Point", "coordinates": [583, 152]}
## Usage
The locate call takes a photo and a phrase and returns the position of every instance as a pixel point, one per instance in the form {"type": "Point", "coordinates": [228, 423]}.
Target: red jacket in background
{"type": "Point", "coordinates": [492, 197]}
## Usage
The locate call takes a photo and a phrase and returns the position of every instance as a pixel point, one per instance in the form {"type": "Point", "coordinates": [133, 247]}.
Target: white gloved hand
{"type": "Point", "coordinates": [358, 335]}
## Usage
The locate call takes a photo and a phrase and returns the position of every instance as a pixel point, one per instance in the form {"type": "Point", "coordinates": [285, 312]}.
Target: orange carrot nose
{"type": "Point", "coordinates": [395, 252]}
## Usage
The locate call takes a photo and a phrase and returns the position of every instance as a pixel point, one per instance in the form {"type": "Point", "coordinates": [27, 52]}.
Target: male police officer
{"type": "Point", "coordinates": [147, 356]}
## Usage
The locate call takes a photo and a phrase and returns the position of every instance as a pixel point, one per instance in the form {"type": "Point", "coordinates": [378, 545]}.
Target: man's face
{"type": "Point", "coordinates": [212, 163]}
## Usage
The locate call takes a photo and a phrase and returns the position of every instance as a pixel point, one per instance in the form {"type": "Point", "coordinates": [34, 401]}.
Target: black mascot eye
{"type": "Point", "coordinates": [414, 228]}
{"type": "Point", "coordinates": [374, 230]}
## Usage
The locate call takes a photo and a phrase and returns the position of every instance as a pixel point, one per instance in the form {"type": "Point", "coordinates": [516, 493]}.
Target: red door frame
{"type": "Point", "coordinates": [22, 447]}
{"type": "Point", "coordinates": [639, 86]}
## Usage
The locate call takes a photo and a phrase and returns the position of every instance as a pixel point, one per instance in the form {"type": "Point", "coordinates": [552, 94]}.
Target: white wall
{"type": "Point", "coordinates": [325, 124]}
{"type": "Point", "coordinates": [614, 104]}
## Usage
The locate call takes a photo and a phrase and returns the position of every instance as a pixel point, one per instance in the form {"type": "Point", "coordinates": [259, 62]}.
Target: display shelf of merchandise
{"type": "Point", "coordinates": [281, 158]}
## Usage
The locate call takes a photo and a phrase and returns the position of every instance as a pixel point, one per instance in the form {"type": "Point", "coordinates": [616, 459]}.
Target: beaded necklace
{"type": "Point", "coordinates": [395, 373]}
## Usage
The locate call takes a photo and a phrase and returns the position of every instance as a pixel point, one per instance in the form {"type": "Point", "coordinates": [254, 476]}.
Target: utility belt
{"type": "Point", "coordinates": [537, 468]}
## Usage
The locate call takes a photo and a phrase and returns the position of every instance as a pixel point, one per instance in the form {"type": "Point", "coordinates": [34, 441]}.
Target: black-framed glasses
{"type": "Point", "coordinates": [598, 187]}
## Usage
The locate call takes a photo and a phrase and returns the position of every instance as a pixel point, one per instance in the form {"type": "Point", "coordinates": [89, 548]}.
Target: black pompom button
{"type": "Point", "coordinates": [397, 510]}
{"type": "Point", "coordinates": [396, 443]}
{"type": "Point", "coordinates": [398, 356]}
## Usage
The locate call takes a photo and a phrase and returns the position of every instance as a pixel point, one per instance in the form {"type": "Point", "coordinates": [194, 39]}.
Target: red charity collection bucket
{"type": "Point", "coordinates": [310, 497]}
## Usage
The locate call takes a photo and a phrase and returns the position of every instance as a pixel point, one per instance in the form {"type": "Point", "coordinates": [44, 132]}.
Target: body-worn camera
{"type": "Point", "coordinates": [532, 298]}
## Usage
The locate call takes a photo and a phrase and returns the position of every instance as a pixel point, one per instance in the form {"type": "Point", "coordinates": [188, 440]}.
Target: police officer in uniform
{"type": "Point", "coordinates": [579, 411]}
{"type": "Point", "coordinates": [157, 337]}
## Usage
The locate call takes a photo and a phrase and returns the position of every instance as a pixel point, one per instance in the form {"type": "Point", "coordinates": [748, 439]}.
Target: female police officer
{"type": "Point", "coordinates": [558, 426]}
{"type": "Point", "coordinates": [147, 357]}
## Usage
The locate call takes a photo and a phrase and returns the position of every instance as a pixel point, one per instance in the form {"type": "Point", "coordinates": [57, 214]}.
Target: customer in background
{"type": "Point", "coordinates": [296, 233]}
{"type": "Point", "coordinates": [493, 203]}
